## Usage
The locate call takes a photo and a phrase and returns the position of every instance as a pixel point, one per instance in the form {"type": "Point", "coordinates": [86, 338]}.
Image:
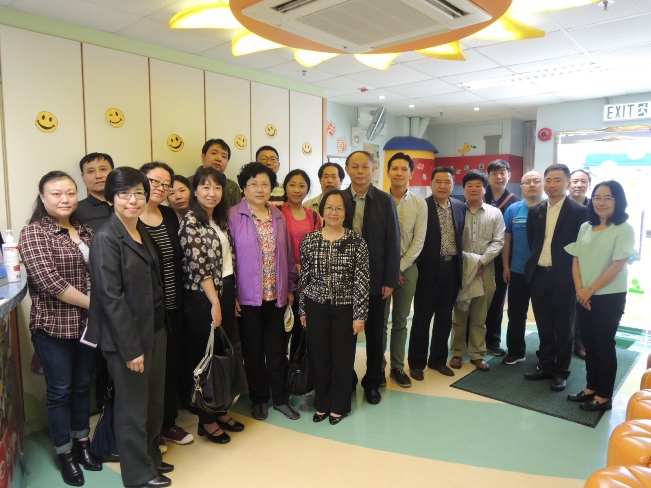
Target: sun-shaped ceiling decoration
{"type": "Point", "coordinates": [374, 31]}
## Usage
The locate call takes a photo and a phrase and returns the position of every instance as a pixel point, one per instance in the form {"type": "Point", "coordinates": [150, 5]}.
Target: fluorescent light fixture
{"type": "Point", "coordinates": [214, 15]}
{"type": "Point", "coordinates": [310, 59]}
{"type": "Point", "coordinates": [530, 76]}
{"type": "Point", "coordinates": [247, 42]}
{"type": "Point", "coordinates": [476, 109]}
{"type": "Point", "coordinates": [377, 61]}
{"type": "Point", "coordinates": [412, 105]}
{"type": "Point", "coordinates": [451, 51]}
{"type": "Point", "coordinates": [507, 28]}
{"type": "Point", "coordinates": [381, 97]}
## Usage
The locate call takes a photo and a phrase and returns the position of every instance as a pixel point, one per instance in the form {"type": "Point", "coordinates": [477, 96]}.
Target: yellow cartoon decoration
{"type": "Point", "coordinates": [240, 142]}
{"type": "Point", "coordinates": [467, 147]}
{"type": "Point", "coordinates": [46, 122]}
{"type": "Point", "coordinates": [306, 148]}
{"type": "Point", "coordinates": [271, 131]}
{"type": "Point", "coordinates": [175, 142]}
{"type": "Point", "coordinates": [115, 116]}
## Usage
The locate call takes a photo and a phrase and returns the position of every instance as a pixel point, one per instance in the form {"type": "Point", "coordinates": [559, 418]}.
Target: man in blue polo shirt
{"type": "Point", "coordinates": [515, 254]}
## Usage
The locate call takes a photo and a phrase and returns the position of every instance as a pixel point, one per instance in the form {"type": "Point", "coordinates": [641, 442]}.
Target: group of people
{"type": "Point", "coordinates": [237, 255]}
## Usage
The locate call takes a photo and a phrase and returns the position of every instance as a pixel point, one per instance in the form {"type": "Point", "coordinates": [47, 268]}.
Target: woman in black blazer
{"type": "Point", "coordinates": [127, 321]}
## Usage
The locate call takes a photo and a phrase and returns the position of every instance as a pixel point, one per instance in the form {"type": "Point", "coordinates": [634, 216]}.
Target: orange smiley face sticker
{"type": "Point", "coordinates": [115, 116]}
{"type": "Point", "coordinates": [271, 131]}
{"type": "Point", "coordinates": [175, 142]}
{"type": "Point", "coordinates": [46, 122]}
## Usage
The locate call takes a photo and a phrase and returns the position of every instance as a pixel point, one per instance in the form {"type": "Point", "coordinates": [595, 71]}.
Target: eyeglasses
{"type": "Point", "coordinates": [604, 199]}
{"type": "Point", "coordinates": [330, 209]}
{"type": "Point", "coordinates": [255, 186]}
{"type": "Point", "coordinates": [264, 159]}
{"type": "Point", "coordinates": [125, 195]}
{"type": "Point", "coordinates": [155, 183]}
{"type": "Point", "coordinates": [531, 182]}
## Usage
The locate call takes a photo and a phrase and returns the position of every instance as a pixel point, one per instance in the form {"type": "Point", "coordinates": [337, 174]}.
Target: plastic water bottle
{"type": "Point", "coordinates": [11, 257]}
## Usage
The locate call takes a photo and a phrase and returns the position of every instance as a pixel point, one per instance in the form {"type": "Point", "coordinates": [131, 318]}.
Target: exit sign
{"type": "Point", "coordinates": [627, 111]}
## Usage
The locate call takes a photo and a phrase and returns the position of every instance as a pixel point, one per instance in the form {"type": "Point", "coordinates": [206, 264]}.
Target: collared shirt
{"type": "Point", "coordinates": [483, 233]}
{"type": "Point", "coordinates": [448, 233]}
{"type": "Point", "coordinates": [553, 211]}
{"type": "Point", "coordinates": [277, 197]}
{"type": "Point", "coordinates": [501, 203]}
{"type": "Point", "coordinates": [233, 193]}
{"type": "Point", "coordinates": [93, 212]}
{"type": "Point", "coordinates": [358, 217]}
{"type": "Point", "coordinates": [314, 203]}
{"type": "Point", "coordinates": [412, 215]}
{"type": "Point", "coordinates": [54, 262]}
{"type": "Point", "coordinates": [265, 231]}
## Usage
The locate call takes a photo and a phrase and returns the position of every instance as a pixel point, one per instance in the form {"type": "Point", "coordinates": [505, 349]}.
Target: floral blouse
{"type": "Point", "coordinates": [265, 231]}
{"type": "Point", "coordinates": [202, 253]}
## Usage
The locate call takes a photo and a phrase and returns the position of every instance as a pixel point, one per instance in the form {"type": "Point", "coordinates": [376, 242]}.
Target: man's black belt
{"type": "Point", "coordinates": [447, 259]}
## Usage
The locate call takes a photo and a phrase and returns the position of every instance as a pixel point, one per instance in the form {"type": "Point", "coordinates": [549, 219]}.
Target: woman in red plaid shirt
{"type": "Point", "coordinates": [55, 248]}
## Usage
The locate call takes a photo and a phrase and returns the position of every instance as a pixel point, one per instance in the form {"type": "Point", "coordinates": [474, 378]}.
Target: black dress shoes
{"type": "Point", "coordinates": [594, 405]}
{"type": "Point", "coordinates": [165, 468]}
{"type": "Point", "coordinates": [157, 482]}
{"type": "Point", "coordinates": [335, 420]}
{"type": "Point", "coordinates": [319, 417]}
{"type": "Point", "coordinates": [537, 375]}
{"type": "Point", "coordinates": [84, 457]}
{"type": "Point", "coordinates": [372, 396]}
{"type": "Point", "coordinates": [581, 396]}
{"type": "Point", "coordinates": [222, 438]}
{"type": "Point", "coordinates": [558, 384]}
{"type": "Point", "coordinates": [231, 425]}
{"type": "Point", "coordinates": [70, 470]}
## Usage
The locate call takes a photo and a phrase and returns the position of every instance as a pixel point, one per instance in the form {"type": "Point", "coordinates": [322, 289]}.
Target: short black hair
{"type": "Point", "coordinates": [122, 179]}
{"type": "Point", "coordinates": [619, 215]}
{"type": "Point", "coordinates": [90, 157]}
{"type": "Point", "coordinates": [370, 156]}
{"type": "Point", "coordinates": [442, 169]}
{"type": "Point", "coordinates": [401, 155]}
{"type": "Point", "coordinates": [220, 213]}
{"type": "Point", "coordinates": [253, 169]}
{"type": "Point", "coordinates": [183, 180]}
{"type": "Point", "coordinates": [348, 206]}
{"type": "Point", "coordinates": [558, 167]}
{"type": "Point", "coordinates": [290, 175]}
{"type": "Point", "coordinates": [497, 165]}
{"type": "Point", "coordinates": [585, 172]}
{"type": "Point", "coordinates": [266, 148]}
{"type": "Point", "coordinates": [340, 170]}
{"type": "Point", "coordinates": [219, 142]}
{"type": "Point", "coordinates": [475, 174]}
{"type": "Point", "coordinates": [147, 167]}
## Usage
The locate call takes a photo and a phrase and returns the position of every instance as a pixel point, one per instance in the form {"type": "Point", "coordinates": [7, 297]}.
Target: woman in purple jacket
{"type": "Point", "coordinates": [266, 281]}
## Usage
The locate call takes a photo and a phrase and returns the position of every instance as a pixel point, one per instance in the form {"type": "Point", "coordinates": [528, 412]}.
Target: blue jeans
{"type": "Point", "coordinates": [68, 366]}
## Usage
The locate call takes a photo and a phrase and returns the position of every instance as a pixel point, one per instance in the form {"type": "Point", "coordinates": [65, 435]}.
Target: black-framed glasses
{"type": "Point", "coordinates": [155, 184]}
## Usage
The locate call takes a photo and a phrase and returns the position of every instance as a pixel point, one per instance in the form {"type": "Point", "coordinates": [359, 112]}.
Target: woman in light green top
{"type": "Point", "coordinates": [603, 248]}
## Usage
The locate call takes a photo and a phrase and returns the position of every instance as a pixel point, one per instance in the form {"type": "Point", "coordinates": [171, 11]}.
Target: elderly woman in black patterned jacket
{"type": "Point", "coordinates": [333, 304]}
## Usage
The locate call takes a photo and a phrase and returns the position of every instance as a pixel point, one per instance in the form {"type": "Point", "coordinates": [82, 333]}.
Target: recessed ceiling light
{"type": "Point", "coordinates": [412, 105]}
{"type": "Point", "coordinates": [381, 97]}
{"type": "Point", "coordinates": [476, 109]}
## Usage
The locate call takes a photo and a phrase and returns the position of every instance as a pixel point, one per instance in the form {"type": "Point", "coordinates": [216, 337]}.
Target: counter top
{"type": "Point", "coordinates": [12, 293]}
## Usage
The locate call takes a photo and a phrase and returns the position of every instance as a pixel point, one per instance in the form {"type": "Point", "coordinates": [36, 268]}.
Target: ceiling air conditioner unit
{"type": "Point", "coordinates": [357, 26]}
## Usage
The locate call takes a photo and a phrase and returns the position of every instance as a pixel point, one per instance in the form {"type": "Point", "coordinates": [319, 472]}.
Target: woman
{"type": "Point", "coordinates": [162, 225]}
{"type": "Point", "coordinates": [54, 247]}
{"type": "Point", "coordinates": [300, 222]}
{"type": "Point", "coordinates": [179, 195]}
{"type": "Point", "coordinates": [333, 304]}
{"type": "Point", "coordinates": [209, 282]}
{"type": "Point", "coordinates": [603, 248]}
{"type": "Point", "coordinates": [127, 321]}
{"type": "Point", "coordinates": [266, 281]}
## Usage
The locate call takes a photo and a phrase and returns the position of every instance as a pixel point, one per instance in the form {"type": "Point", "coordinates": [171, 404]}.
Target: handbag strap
{"type": "Point", "coordinates": [224, 338]}
{"type": "Point", "coordinates": [211, 342]}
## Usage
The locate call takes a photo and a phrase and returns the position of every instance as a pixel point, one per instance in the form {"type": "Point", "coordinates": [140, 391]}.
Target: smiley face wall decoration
{"type": "Point", "coordinates": [240, 142]}
{"type": "Point", "coordinates": [115, 116]}
{"type": "Point", "coordinates": [270, 131]}
{"type": "Point", "coordinates": [46, 122]}
{"type": "Point", "coordinates": [175, 142]}
{"type": "Point", "coordinates": [306, 149]}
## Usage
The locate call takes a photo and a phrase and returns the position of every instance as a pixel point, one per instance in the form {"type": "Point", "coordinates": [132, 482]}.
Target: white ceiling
{"type": "Point", "coordinates": [618, 40]}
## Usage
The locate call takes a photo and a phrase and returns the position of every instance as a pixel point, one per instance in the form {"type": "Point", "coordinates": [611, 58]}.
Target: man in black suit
{"type": "Point", "coordinates": [439, 277]}
{"type": "Point", "coordinates": [551, 225]}
{"type": "Point", "coordinates": [376, 219]}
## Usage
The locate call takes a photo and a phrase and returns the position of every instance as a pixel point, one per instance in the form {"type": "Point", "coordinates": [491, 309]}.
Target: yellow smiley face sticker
{"type": "Point", "coordinates": [271, 131]}
{"type": "Point", "coordinates": [240, 141]}
{"type": "Point", "coordinates": [175, 142]}
{"type": "Point", "coordinates": [46, 122]}
{"type": "Point", "coordinates": [306, 148]}
{"type": "Point", "coordinates": [115, 116]}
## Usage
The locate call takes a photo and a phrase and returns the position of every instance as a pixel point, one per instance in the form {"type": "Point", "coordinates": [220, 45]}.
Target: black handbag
{"type": "Point", "coordinates": [218, 380]}
{"type": "Point", "coordinates": [104, 446]}
{"type": "Point", "coordinates": [299, 379]}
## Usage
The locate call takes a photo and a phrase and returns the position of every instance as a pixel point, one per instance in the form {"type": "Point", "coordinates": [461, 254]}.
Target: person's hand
{"type": "Point", "coordinates": [386, 292]}
{"type": "Point", "coordinates": [583, 296]}
{"type": "Point", "coordinates": [506, 275]}
{"type": "Point", "coordinates": [480, 269]}
{"type": "Point", "coordinates": [137, 365]}
{"type": "Point", "coordinates": [238, 309]}
{"type": "Point", "coordinates": [401, 279]}
{"type": "Point", "coordinates": [303, 321]}
{"type": "Point", "coordinates": [290, 299]}
{"type": "Point", "coordinates": [216, 314]}
{"type": "Point", "coordinates": [358, 326]}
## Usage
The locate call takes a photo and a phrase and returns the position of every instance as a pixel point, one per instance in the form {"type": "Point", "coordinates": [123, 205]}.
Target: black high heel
{"type": "Point", "coordinates": [319, 417]}
{"type": "Point", "coordinates": [222, 438]}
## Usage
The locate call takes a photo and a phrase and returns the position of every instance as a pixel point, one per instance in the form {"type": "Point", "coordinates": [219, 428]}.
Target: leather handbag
{"type": "Point", "coordinates": [218, 379]}
{"type": "Point", "coordinates": [299, 378]}
{"type": "Point", "coordinates": [104, 446]}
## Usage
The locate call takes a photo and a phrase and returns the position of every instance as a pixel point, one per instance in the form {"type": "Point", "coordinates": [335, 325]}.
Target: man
{"type": "Point", "coordinates": [579, 184]}
{"type": "Point", "coordinates": [483, 238]}
{"type": "Point", "coordinates": [216, 154]}
{"type": "Point", "coordinates": [268, 156]}
{"type": "Point", "coordinates": [376, 219]}
{"type": "Point", "coordinates": [94, 210]}
{"type": "Point", "coordinates": [515, 254]}
{"type": "Point", "coordinates": [412, 216]}
{"type": "Point", "coordinates": [497, 195]}
{"type": "Point", "coordinates": [552, 225]}
{"type": "Point", "coordinates": [439, 277]}
{"type": "Point", "coordinates": [330, 176]}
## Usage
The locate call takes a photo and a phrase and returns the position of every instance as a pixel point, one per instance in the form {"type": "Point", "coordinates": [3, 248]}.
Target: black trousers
{"type": "Point", "coordinates": [172, 366]}
{"type": "Point", "coordinates": [262, 332]}
{"type": "Point", "coordinates": [197, 312]}
{"type": "Point", "coordinates": [437, 301]}
{"type": "Point", "coordinates": [553, 303]}
{"type": "Point", "coordinates": [374, 350]}
{"type": "Point", "coordinates": [331, 346]}
{"type": "Point", "coordinates": [519, 295]}
{"type": "Point", "coordinates": [598, 329]}
{"type": "Point", "coordinates": [139, 412]}
{"type": "Point", "coordinates": [496, 309]}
